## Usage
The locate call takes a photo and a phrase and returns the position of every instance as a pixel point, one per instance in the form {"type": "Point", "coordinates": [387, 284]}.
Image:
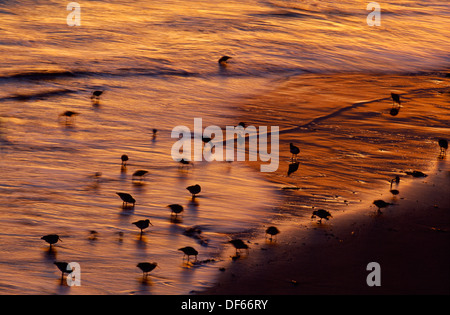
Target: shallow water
{"type": "Point", "coordinates": [157, 62]}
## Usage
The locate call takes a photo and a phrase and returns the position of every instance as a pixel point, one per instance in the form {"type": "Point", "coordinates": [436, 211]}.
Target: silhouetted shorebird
{"type": "Point", "coordinates": [395, 104]}
{"type": "Point", "coordinates": [238, 244]}
{"type": "Point", "coordinates": [96, 94]}
{"type": "Point", "coordinates": [68, 114]}
{"type": "Point", "coordinates": [176, 208]}
{"type": "Point", "coordinates": [63, 267]}
{"type": "Point", "coordinates": [126, 198]}
{"type": "Point", "coordinates": [124, 159]}
{"type": "Point", "coordinates": [223, 61]}
{"type": "Point", "coordinates": [95, 97]}
{"type": "Point", "coordinates": [396, 179]}
{"type": "Point", "coordinates": [142, 224]}
{"type": "Point", "coordinates": [206, 139]}
{"type": "Point", "coordinates": [417, 174]}
{"type": "Point", "coordinates": [381, 204]}
{"type": "Point", "coordinates": [146, 267]}
{"type": "Point", "coordinates": [294, 151]}
{"type": "Point", "coordinates": [51, 239]}
{"type": "Point", "coordinates": [395, 98]}
{"type": "Point", "coordinates": [272, 231]}
{"type": "Point", "coordinates": [184, 162]}
{"type": "Point", "coordinates": [194, 189]}
{"type": "Point", "coordinates": [443, 145]}
{"type": "Point", "coordinates": [322, 214]}
{"type": "Point", "coordinates": [139, 174]}
{"type": "Point", "coordinates": [189, 251]}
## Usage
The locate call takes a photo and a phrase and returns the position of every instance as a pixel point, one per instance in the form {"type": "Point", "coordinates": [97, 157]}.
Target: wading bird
{"type": "Point", "coordinates": [272, 231]}
{"type": "Point", "coordinates": [124, 159]}
{"type": "Point", "coordinates": [139, 174]}
{"type": "Point", "coordinates": [176, 209]}
{"type": "Point", "coordinates": [322, 214]}
{"type": "Point", "coordinates": [395, 104]}
{"type": "Point", "coordinates": [69, 116]}
{"type": "Point", "coordinates": [194, 190]}
{"type": "Point", "coordinates": [239, 244]}
{"type": "Point", "coordinates": [443, 145]}
{"type": "Point", "coordinates": [51, 239]}
{"type": "Point", "coordinates": [294, 151]}
{"type": "Point", "coordinates": [95, 97]}
{"type": "Point", "coordinates": [417, 174]}
{"type": "Point", "coordinates": [63, 267]}
{"type": "Point", "coordinates": [381, 204]}
{"type": "Point", "coordinates": [189, 251]}
{"type": "Point", "coordinates": [223, 61]}
{"type": "Point", "coordinates": [142, 224]}
{"type": "Point", "coordinates": [96, 94]}
{"type": "Point", "coordinates": [395, 99]}
{"type": "Point", "coordinates": [146, 267]}
{"type": "Point", "coordinates": [126, 198]}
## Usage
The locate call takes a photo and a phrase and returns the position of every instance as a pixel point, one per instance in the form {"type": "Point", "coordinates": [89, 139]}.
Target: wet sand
{"type": "Point", "coordinates": [409, 240]}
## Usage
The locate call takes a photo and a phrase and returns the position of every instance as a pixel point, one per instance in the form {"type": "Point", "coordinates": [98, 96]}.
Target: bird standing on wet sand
{"type": "Point", "coordinates": [322, 214]}
{"type": "Point", "coordinates": [189, 251]}
{"type": "Point", "coordinates": [96, 94]}
{"type": "Point", "coordinates": [69, 114]}
{"type": "Point", "coordinates": [176, 208]}
{"type": "Point", "coordinates": [395, 98]}
{"type": "Point", "coordinates": [124, 159]}
{"type": "Point", "coordinates": [146, 267]}
{"type": "Point", "coordinates": [381, 204]}
{"type": "Point", "coordinates": [62, 266]}
{"type": "Point", "coordinates": [95, 97]}
{"type": "Point", "coordinates": [126, 198]}
{"type": "Point", "coordinates": [142, 224]}
{"type": "Point", "coordinates": [294, 151]}
{"type": "Point", "coordinates": [272, 231]}
{"type": "Point", "coordinates": [443, 145]}
{"type": "Point", "coordinates": [194, 190]}
{"type": "Point", "coordinates": [139, 174]}
{"type": "Point", "coordinates": [239, 244]}
{"type": "Point", "coordinates": [51, 239]}
{"type": "Point", "coordinates": [223, 61]}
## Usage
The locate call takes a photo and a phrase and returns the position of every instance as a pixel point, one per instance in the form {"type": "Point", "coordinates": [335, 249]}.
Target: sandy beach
{"type": "Point", "coordinates": [362, 103]}
{"type": "Point", "coordinates": [409, 240]}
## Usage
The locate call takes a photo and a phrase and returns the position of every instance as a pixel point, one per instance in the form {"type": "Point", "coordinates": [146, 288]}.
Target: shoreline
{"type": "Point", "coordinates": [408, 240]}
{"type": "Point", "coordinates": [332, 258]}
